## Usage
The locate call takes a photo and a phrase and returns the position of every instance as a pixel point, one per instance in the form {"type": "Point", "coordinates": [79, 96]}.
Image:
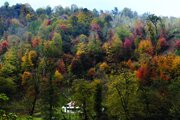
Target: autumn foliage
{"type": "Point", "coordinates": [35, 42]}
{"type": "Point", "coordinates": [3, 46]}
{"type": "Point", "coordinates": [145, 46]}
{"type": "Point", "coordinates": [127, 43]}
{"type": "Point", "coordinates": [143, 73]}
{"type": "Point", "coordinates": [91, 72]}
{"type": "Point", "coordinates": [114, 65]}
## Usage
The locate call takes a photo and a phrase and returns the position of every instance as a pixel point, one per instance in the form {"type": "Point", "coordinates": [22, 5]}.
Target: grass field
{"type": "Point", "coordinates": [28, 118]}
{"type": "Point", "coordinates": [67, 116]}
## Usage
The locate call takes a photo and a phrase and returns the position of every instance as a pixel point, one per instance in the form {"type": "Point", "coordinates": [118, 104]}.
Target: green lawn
{"type": "Point", "coordinates": [67, 116]}
{"type": "Point", "coordinates": [72, 116]}
{"type": "Point", "coordinates": [28, 118]}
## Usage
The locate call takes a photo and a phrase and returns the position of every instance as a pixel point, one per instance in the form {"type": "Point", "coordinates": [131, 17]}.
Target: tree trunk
{"type": "Point", "coordinates": [85, 111]}
{"type": "Point", "coordinates": [33, 105]}
{"type": "Point", "coordinates": [50, 97]}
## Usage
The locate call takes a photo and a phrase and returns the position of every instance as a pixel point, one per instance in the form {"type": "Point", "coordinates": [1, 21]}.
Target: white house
{"type": "Point", "coordinates": [71, 108]}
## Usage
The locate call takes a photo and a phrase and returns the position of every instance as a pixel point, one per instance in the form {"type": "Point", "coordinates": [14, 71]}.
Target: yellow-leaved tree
{"type": "Point", "coordinates": [145, 46]}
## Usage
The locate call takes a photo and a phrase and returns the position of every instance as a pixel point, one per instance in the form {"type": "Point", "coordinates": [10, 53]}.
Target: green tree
{"type": "Point", "coordinates": [113, 49]}
{"type": "Point", "coordinates": [49, 83]}
{"type": "Point", "coordinates": [94, 51]}
{"type": "Point", "coordinates": [121, 99]}
{"type": "Point", "coordinates": [173, 98]}
{"type": "Point", "coordinates": [98, 98]}
{"type": "Point", "coordinates": [49, 89]}
{"type": "Point", "coordinates": [154, 19]}
{"type": "Point", "coordinates": [4, 115]}
{"type": "Point", "coordinates": [9, 72]}
{"type": "Point", "coordinates": [83, 95]}
{"type": "Point", "coordinates": [45, 29]}
{"type": "Point", "coordinates": [123, 32]}
{"type": "Point", "coordinates": [56, 45]}
{"type": "Point", "coordinates": [53, 48]}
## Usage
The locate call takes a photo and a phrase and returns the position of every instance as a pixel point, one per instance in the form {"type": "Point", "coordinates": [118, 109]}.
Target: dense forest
{"type": "Point", "coordinates": [113, 65]}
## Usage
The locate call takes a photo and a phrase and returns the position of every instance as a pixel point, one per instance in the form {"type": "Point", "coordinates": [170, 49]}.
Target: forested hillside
{"type": "Point", "coordinates": [114, 65]}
